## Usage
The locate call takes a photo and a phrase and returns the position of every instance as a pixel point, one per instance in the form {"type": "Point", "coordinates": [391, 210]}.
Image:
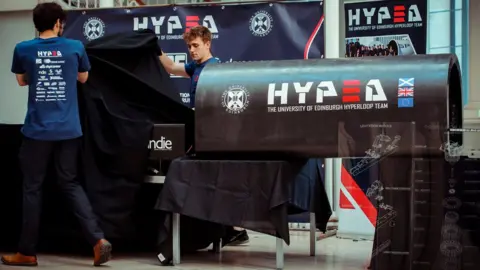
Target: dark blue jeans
{"type": "Point", "coordinates": [34, 157]}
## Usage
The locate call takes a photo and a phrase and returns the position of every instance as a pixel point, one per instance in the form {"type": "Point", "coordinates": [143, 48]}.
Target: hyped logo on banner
{"type": "Point", "coordinates": [173, 27]}
{"type": "Point", "coordinates": [381, 28]}
{"type": "Point", "coordinates": [297, 96]}
{"type": "Point", "coordinates": [404, 16]}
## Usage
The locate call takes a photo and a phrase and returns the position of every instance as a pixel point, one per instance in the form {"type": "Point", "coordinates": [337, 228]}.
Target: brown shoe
{"type": "Point", "coordinates": [20, 260]}
{"type": "Point", "coordinates": [102, 251]}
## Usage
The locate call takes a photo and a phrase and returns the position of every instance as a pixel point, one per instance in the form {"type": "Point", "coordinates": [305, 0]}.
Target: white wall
{"type": "Point", "coordinates": [15, 26]}
{"type": "Point", "coordinates": [17, 5]}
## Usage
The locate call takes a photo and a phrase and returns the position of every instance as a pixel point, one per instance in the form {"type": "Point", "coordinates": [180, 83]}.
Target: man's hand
{"type": "Point", "coordinates": [172, 67]}
{"type": "Point", "coordinates": [82, 77]}
{"type": "Point", "coordinates": [22, 79]}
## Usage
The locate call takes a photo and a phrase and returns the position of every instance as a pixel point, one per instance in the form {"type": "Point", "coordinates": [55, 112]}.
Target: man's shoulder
{"type": "Point", "coordinates": [26, 44]}
{"type": "Point", "coordinates": [32, 43]}
{"type": "Point", "coordinates": [214, 60]}
{"type": "Point", "coordinates": [211, 61]}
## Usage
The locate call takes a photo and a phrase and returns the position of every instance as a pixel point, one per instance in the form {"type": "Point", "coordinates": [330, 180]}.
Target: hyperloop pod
{"type": "Point", "coordinates": [327, 107]}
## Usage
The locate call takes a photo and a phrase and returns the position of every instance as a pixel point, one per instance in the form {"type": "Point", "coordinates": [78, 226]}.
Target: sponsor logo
{"type": "Point", "coordinates": [179, 58]}
{"type": "Point", "coordinates": [93, 28]}
{"type": "Point", "coordinates": [261, 23]}
{"type": "Point", "coordinates": [48, 61]}
{"type": "Point", "coordinates": [50, 66]}
{"type": "Point", "coordinates": [235, 99]}
{"type": "Point", "coordinates": [160, 145]}
{"type": "Point", "coordinates": [171, 27]}
{"type": "Point", "coordinates": [185, 97]}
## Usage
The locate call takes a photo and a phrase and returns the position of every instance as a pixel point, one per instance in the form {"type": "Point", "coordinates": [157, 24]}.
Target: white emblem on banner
{"type": "Point", "coordinates": [235, 99]}
{"type": "Point", "coordinates": [93, 28]}
{"type": "Point", "coordinates": [178, 58]}
{"type": "Point", "coordinates": [261, 23]}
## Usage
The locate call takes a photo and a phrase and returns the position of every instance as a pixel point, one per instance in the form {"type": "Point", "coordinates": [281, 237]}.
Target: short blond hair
{"type": "Point", "coordinates": [198, 31]}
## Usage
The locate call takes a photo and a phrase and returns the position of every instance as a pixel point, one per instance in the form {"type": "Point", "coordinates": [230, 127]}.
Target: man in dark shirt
{"type": "Point", "coordinates": [50, 66]}
{"type": "Point", "coordinates": [199, 41]}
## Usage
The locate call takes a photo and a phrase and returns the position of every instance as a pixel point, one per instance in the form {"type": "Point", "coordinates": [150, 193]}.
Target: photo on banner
{"type": "Point", "coordinates": [383, 28]}
{"type": "Point", "coordinates": [247, 32]}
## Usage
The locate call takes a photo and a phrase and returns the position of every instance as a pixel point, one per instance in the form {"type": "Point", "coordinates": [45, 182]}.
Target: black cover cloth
{"type": "Point", "coordinates": [127, 92]}
{"type": "Point", "coordinates": [308, 194]}
{"type": "Point", "coordinates": [253, 194]}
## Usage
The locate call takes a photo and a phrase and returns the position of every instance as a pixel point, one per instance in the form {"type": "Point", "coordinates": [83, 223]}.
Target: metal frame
{"type": "Point", "coordinates": [428, 41]}
{"type": "Point", "coordinates": [465, 50]}
{"type": "Point", "coordinates": [453, 16]}
{"type": "Point", "coordinates": [119, 3]}
{"type": "Point", "coordinates": [280, 251]}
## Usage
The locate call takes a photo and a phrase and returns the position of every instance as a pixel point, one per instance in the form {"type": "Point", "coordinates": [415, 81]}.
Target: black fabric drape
{"type": "Point", "coordinates": [128, 91]}
{"type": "Point", "coordinates": [253, 194]}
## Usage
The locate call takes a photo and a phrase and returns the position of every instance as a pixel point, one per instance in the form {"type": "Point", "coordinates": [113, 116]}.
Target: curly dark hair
{"type": "Point", "coordinates": [46, 15]}
{"type": "Point", "coordinates": [198, 31]}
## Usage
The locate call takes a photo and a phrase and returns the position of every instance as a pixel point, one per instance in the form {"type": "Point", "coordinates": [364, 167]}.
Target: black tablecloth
{"type": "Point", "coordinates": [250, 194]}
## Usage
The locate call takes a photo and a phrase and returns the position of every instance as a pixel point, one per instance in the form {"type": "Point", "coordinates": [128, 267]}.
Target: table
{"type": "Point", "coordinates": [194, 177]}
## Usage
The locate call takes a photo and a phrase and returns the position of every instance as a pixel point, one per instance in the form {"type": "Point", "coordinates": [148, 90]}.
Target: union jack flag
{"type": "Point", "coordinates": [405, 91]}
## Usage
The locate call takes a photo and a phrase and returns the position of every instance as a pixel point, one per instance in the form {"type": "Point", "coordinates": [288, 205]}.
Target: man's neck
{"type": "Point", "coordinates": [48, 34]}
{"type": "Point", "coordinates": [205, 59]}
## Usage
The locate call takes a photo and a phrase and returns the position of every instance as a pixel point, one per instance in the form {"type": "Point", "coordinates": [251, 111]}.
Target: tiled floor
{"type": "Point", "coordinates": [332, 254]}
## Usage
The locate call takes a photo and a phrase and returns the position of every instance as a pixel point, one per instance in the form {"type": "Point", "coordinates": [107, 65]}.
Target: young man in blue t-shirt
{"type": "Point", "coordinates": [51, 66]}
{"type": "Point", "coordinates": [199, 41]}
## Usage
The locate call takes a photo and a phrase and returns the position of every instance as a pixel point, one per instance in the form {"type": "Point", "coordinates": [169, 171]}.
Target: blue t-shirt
{"type": "Point", "coordinates": [51, 67]}
{"type": "Point", "coordinates": [193, 70]}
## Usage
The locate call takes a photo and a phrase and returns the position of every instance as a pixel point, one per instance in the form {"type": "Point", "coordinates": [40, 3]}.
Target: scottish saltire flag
{"type": "Point", "coordinates": [406, 82]}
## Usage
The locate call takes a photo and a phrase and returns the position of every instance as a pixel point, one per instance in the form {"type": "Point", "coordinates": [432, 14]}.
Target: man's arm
{"type": "Point", "coordinates": [82, 77]}
{"type": "Point", "coordinates": [83, 66]}
{"type": "Point", "coordinates": [22, 79]}
{"type": "Point", "coordinates": [18, 68]}
{"type": "Point", "coordinates": [172, 67]}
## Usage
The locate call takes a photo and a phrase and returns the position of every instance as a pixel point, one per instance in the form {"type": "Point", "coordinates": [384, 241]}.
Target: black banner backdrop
{"type": "Point", "coordinates": [249, 32]}
{"type": "Point", "coordinates": [395, 27]}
